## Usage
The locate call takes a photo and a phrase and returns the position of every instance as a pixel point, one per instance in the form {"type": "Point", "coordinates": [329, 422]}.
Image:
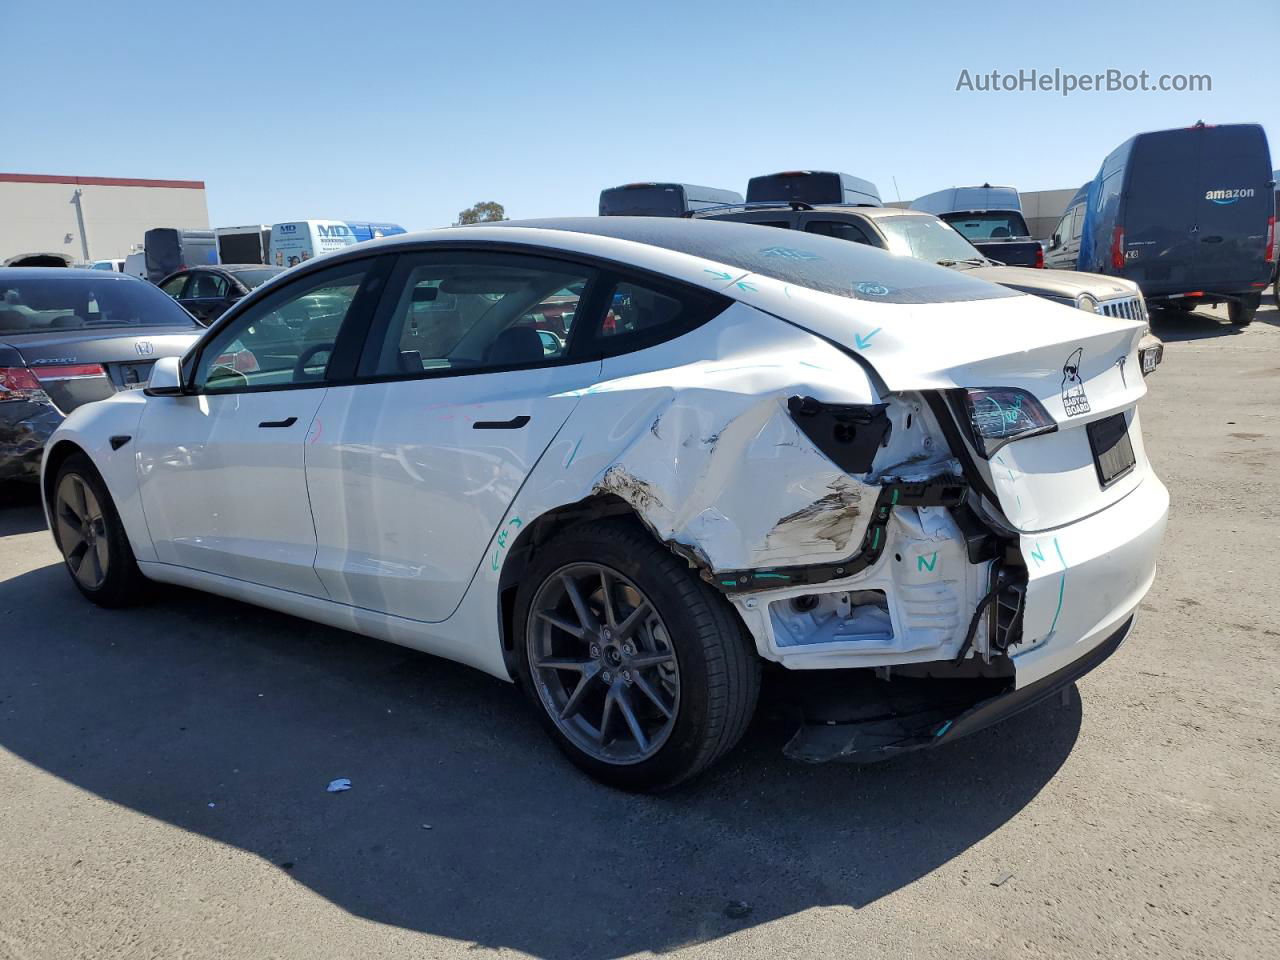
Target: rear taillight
{"type": "Point", "coordinates": [69, 371]}
{"type": "Point", "coordinates": [1117, 248]}
{"type": "Point", "coordinates": [1000, 415]}
{"type": "Point", "coordinates": [1271, 239]}
{"type": "Point", "coordinates": [19, 383]}
{"type": "Point", "coordinates": [1039, 264]}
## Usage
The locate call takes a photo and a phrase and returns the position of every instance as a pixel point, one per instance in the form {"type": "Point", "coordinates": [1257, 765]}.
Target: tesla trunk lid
{"type": "Point", "coordinates": [1082, 367]}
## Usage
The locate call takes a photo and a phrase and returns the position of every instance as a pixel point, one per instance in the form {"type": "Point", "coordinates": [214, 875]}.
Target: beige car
{"type": "Point", "coordinates": [924, 236]}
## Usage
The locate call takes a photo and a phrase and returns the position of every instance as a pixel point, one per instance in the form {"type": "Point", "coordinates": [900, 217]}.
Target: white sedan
{"type": "Point", "coordinates": [627, 462]}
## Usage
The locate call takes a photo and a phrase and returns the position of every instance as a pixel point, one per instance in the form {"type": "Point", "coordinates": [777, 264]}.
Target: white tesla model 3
{"type": "Point", "coordinates": [629, 461]}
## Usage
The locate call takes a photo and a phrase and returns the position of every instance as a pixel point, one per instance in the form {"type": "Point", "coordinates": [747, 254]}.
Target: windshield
{"type": "Point", "coordinates": [926, 238]}
{"type": "Point", "coordinates": [60, 302]}
{"type": "Point", "coordinates": [992, 225]}
{"type": "Point", "coordinates": [256, 278]}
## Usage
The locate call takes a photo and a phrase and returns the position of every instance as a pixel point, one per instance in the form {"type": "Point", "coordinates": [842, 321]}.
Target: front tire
{"type": "Point", "coordinates": [641, 672]}
{"type": "Point", "coordinates": [91, 538]}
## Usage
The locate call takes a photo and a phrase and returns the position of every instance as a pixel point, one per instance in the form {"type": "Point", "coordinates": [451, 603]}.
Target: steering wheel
{"type": "Point", "coordinates": [300, 367]}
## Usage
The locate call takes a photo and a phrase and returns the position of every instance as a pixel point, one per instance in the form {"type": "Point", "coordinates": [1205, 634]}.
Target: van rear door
{"type": "Point", "coordinates": [1160, 245]}
{"type": "Point", "coordinates": [1233, 204]}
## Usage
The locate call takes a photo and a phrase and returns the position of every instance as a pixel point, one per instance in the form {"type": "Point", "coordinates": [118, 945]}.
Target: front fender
{"type": "Point", "coordinates": [91, 428]}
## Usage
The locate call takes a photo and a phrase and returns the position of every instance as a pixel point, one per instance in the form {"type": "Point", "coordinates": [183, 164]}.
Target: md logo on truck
{"type": "Point", "coordinates": [333, 230]}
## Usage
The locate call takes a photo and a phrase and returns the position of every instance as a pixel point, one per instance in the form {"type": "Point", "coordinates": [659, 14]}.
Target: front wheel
{"type": "Point", "coordinates": [88, 532]}
{"type": "Point", "coordinates": [640, 671]}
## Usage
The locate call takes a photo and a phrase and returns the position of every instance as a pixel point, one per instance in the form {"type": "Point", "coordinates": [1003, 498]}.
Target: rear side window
{"type": "Point", "coordinates": [639, 314]}
{"type": "Point", "coordinates": [468, 313]}
{"type": "Point", "coordinates": [841, 230]}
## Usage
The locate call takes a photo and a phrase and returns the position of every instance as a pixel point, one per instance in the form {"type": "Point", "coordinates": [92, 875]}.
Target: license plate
{"type": "Point", "coordinates": [1151, 359]}
{"type": "Point", "coordinates": [1112, 449]}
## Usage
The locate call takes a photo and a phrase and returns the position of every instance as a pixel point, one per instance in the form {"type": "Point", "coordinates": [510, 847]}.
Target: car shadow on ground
{"type": "Point", "coordinates": [1172, 326]}
{"type": "Point", "coordinates": [20, 510]}
{"type": "Point", "coordinates": [463, 820]}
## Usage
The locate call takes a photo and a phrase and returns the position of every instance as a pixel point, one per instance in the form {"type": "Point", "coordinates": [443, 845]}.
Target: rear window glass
{"type": "Point", "coordinates": [846, 269]}
{"type": "Point", "coordinates": [69, 302]}
{"type": "Point", "coordinates": [991, 225]}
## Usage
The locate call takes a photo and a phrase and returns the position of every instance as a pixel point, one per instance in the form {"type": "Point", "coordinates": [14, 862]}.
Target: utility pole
{"type": "Point", "coordinates": [84, 239]}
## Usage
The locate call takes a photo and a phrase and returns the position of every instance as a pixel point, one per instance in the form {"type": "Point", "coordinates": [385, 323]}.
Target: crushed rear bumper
{"type": "Point", "coordinates": [904, 729]}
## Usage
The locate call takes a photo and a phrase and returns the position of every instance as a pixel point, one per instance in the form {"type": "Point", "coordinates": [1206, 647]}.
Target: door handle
{"type": "Point", "coordinates": [515, 423]}
{"type": "Point", "coordinates": [1210, 239]}
{"type": "Point", "coordinates": [287, 422]}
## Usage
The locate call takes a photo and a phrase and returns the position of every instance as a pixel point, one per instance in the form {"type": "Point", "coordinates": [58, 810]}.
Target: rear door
{"type": "Point", "coordinates": [410, 472]}
{"type": "Point", "coordinates": [1161, 243]}
{"type": "Point", "coordinates": [1233, 204]}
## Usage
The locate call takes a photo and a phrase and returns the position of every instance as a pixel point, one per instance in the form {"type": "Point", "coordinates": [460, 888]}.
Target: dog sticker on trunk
{"type": "Point", "coordinates": [1073, 395]}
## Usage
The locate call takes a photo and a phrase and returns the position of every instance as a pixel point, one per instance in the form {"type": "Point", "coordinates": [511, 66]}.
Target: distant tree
{"type": "Point", "coordinates": [485, 212]}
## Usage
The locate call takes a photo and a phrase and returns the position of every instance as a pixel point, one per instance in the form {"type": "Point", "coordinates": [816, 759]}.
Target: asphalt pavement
{"type": "Point", "coordinates": [163, 774]}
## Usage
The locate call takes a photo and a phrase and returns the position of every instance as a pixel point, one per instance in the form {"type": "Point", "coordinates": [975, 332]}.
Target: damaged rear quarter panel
{"type": "Point", "coordinates": [695, 435]}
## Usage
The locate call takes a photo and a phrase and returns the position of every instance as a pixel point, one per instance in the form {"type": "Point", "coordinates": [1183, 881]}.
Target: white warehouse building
{"type": "Point", "coordinates": [48, 220]}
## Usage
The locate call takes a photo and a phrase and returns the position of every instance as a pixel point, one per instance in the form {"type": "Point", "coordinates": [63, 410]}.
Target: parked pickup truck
{"type": "Point", "coordinates": [990, 218]}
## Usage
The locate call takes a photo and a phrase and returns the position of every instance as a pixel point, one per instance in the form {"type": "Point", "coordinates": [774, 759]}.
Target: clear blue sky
{"type": "Point", "coordinates": [411, 111]}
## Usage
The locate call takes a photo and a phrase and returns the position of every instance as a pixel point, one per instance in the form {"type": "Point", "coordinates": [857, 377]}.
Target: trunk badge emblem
{"type": "Point", "coordinates": [145, 348]}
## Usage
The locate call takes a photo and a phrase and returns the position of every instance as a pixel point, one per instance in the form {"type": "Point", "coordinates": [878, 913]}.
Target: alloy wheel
{"type": "Point", "coordinates": [82, 531]}
{"type": "Point", "coordinates": [603, 663]}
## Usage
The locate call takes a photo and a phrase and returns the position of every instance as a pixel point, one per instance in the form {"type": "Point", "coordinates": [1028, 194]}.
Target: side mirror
{"type": "Point", "coordinates": [165, 379]}
{"type": "Point", "coordinates": [1055, 242]}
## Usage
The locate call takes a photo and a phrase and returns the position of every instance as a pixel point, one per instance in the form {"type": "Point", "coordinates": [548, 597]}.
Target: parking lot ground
{"type": "Point", "coordinates": [163, 774]}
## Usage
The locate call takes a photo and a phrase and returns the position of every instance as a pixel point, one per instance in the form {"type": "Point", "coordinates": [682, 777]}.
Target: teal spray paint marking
{"type": "Point", "coordinates": [515, 523]}
{"type": "Point", "coordinates": [923, 564]}
{"type": "Point", "coordinates": [944, 728]}
{"type": "Point", "coordinates": [772, 576]}
{"type": "Point", "coordinates": [719, 275]}
{"type": "Point", "coordinates": [1062, 588]}
{"type": "Point", "coordinates": [743, 285]}
{"type": "Point", "coordinates": [875, 541]}
{"type": "Point", "coordinates": [1036, 554]}
{"type": "Point", "coordinates": [573, 454]}
{"type": "Point", "coordinates": [864, 342]}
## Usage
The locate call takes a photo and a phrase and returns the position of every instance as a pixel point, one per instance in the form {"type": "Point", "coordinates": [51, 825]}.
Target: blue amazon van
{"type": "Point", "coordinates": [1187, 214]}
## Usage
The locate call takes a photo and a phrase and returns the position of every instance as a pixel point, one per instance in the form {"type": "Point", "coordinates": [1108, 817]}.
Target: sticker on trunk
{"type": "Point", "coordinates": [1074, 399]}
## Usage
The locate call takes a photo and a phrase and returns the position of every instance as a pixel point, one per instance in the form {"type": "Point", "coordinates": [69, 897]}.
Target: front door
{"type": "Point", "coordinates": [222, 475]}
{"type": "Point", "coordinates": [469, 375]}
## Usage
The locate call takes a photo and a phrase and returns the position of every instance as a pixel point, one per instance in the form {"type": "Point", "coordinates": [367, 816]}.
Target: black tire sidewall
{"type": "Point", "coordinates": [658, 574]}
{"type": "Point", "coordinates": [122, 585]}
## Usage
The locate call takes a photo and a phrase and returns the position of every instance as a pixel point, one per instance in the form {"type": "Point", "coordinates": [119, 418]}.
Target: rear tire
{"type": "Point", "coordinates": [1241, 312]}
{"type": "Point", "coordinates": [667, 650]}
{"type": "Point", "coordinates": [91, 537]}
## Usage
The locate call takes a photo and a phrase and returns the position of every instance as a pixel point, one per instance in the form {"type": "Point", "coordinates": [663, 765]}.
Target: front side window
{"type": "Point", "coordinates": [465, 313]}
{"type": "Point", "coordinates": [286, 339]}
{"type": "Point", "coordinates": [173, 286]}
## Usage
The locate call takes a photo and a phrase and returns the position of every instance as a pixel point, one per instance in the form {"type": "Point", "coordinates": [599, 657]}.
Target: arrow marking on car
{"type": "Point", "coordinates": [743, 285]}
{"type": "Point", "coordinates": [864, 342]}
{"type": "Point", "coordinates": [719, 274]}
